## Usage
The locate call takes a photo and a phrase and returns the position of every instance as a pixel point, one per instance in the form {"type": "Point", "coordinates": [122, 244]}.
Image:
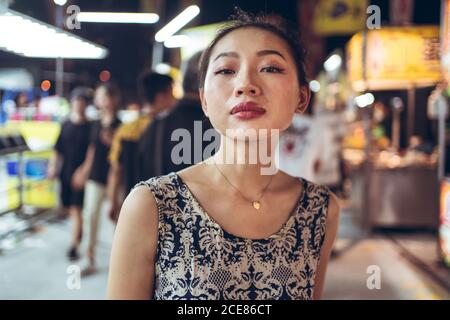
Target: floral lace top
{"type": "Point", "coordinates": [197, 259]}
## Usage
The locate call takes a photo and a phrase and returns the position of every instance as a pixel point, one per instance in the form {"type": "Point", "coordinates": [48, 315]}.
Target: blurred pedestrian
{"type": "Point", "coordinates": [156, 145]}
{"type": "Point", "coordinates": [94, 172]}
{"type": "Point", "coordinates": [156, 91]}
{"type": "Point", "coordinates": [70, 152]}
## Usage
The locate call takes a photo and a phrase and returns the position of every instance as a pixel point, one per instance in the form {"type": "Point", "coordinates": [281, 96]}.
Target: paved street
{"type": "Point", "coordinates": [35, 267]}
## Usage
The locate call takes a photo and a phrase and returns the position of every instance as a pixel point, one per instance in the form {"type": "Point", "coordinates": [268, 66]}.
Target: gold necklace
{"type": "Point", "coordinates": [255, 203]}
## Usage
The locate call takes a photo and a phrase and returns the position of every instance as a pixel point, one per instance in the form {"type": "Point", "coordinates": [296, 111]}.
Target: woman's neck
{"type": "Point", "coordinates": [107, 118]}
{"type": "Point", "coordinates": [77, 118]}
{"type": "Point", "coordinates": [246, 163]}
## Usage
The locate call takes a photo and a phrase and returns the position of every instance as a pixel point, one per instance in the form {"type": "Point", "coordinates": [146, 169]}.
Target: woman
{"type": "Point", "coordinates": [226, 231]}
{"type": "Point", "coordinates": [70, 152]}
{"type": "Point", "coordinates": [94, 172]}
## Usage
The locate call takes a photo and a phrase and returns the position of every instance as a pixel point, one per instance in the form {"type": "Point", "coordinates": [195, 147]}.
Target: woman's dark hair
{"type": "Point", "coordinates": [277, 26]}
{"type": "Point", "coordinates": [82, 93]}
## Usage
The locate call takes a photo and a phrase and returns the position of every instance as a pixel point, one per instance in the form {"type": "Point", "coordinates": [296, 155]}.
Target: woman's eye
{"type": "Point", "coordinates": [224, 71]}
{"type": "Point", "coordinates": [272, 69]}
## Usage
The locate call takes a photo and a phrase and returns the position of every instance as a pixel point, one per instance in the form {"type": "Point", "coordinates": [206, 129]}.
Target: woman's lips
{"type": "Point", "coordinates": [247, 111]}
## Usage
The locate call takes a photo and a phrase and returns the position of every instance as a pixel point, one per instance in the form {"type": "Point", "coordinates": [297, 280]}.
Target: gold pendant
{"type": "Point", "coordinates": [256, 205]}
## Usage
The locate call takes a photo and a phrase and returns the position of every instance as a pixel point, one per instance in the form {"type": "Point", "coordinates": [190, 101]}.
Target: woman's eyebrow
{"type": "Point", "coordinates": [268, 51]}
{"type": "Point", "coordinates": [227, 54]}
{"type": "Point", "coordinates": [261, 53]}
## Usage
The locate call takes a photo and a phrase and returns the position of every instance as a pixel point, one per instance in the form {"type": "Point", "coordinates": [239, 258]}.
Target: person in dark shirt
{"type": "Point", "coordinates": [155, 150]}
{"type": "Point", "coordinates": [94, 173]}
{"type": "Point", "coordinates": [70, 152]}
{"type": "Point", "coordinates": [156, 93]}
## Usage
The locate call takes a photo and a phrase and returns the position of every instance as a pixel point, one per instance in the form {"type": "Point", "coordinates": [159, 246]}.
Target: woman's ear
{"type": "Point", "coordinates": [203, 101]}
{"type": "Point", "coordinates": [304, 97]}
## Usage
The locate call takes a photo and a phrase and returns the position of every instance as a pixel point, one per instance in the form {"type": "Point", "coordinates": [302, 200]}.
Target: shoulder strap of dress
{"type": "Point", "coordinates": [163, 188]}
{"type": "Point", "coordinates": [156, 186]}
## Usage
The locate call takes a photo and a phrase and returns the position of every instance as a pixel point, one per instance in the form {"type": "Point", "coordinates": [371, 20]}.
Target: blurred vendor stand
{"type": "Point", "coordinates": [391, 187]}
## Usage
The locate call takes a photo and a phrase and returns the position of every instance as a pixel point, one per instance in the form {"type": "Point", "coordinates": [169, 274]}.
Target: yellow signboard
{"type": "Point", "coordinates": [396, 57]}
{"type": "Point", "coordinates": [340, 17]}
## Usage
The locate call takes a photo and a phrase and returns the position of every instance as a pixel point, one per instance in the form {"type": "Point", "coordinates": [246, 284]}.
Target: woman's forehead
{"type": "Point", "coordinates": [250, 40]}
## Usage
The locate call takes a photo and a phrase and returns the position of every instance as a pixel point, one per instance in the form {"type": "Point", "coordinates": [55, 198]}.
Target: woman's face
{"type": "Point", "coordinates": [78, 106]}
{"type": "Point", "coordinates": [165, 100]}
{"type": "Point", "coordinates": [252, 65]}
{"type": "Point", "coordinates": [104, 101]}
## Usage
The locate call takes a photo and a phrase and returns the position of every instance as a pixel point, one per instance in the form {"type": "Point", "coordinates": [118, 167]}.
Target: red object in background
{"type": "Point", "coordinates": [41, 117]}
{"type": "Point", "coordinates": [16, 117]}
{"type": "Point", "coordinates": [46, 85]}
{"type": "Point", "coordinates": [105, 75]}
{"type": "Point", "coordinates": [290, 146]}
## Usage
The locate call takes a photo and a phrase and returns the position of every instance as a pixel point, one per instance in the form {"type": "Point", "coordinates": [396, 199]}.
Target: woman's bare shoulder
{"type": "Point", "coordinates": [140, 195]}
{"type": "Point", "coordinates": [134, 248]}
{"type": "Point", "coordinates": [139, 212]}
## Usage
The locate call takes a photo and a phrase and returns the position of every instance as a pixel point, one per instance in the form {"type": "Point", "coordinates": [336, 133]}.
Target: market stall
{"type": "Point", "coordinates": [26, 146]}
{"type": "Point", "coordinates": [399, 185]}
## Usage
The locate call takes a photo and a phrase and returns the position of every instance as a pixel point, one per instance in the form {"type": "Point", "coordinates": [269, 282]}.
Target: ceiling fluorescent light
{"type": "Point", "coordinates": [177, 23]}
{"type": "Point", "coordinates": [29, 37]}
{"type": "Point", "coordinates": [177, 41]}
{"type": "Point", "coordinates": [117, 17]}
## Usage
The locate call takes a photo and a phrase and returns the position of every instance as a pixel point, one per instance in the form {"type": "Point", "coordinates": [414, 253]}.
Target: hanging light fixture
{"type": "Point", "coordinates": [32, 38]}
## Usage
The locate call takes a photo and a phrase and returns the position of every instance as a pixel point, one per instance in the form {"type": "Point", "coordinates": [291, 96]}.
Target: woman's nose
{"type": "Point", "coordinates": [247, 88]}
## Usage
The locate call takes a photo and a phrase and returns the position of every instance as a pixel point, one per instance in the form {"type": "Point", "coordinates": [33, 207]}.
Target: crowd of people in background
{"type": "Point", "coordinates": [98, 160]}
